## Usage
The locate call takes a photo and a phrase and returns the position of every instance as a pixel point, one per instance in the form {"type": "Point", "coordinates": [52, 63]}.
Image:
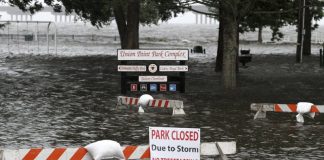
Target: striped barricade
{"type": "Point", "coordinates": [130, 152]}
{"type": "Point", "coordinates": [262, 108]}
{"type": "Point", "coordinates": [176, 105]}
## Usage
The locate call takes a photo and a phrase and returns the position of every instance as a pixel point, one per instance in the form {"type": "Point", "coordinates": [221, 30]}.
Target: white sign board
{"type": "Point", "coordinates": [152, 78]}
{"type": "Point", "coordinates": [173, 68]}
{"type": "Point", "coordinates": [131, 68]}
{"type": "Point", "coordinates": [174, 143]}
{"type": "Point", "coordinates": [163, 55]}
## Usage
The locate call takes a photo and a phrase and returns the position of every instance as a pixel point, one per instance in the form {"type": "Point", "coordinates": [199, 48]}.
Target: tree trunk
{"type": "Point", "coordinates": [308, 31]}
{"type": "Point", "coordinates": [230, 43]}
{"type": "Point", "coordinates": [260, 35]}
{"type": "Point", "coordinates": [128, 28]}
{"type": "Point", "coordinates": [133, 24]}
{"type": "Point", "coordinates": [300, 32]}
{"type": "Point", "coordinates": [128, 31]}
{"type": "Point", "coordinates": [220, 48]}
{"type": "Point", "coordinates": [121, 24]}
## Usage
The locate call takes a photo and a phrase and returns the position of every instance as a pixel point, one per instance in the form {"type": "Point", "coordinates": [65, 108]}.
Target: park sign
{"type": "Point", "coordinates": [173, 68]}
{"type": "Point", "coordinates": [147, 55]}
{"type": "Point", "coordinates": [131, 68]}
{"type": "Point", "coordinates": [174, 143]}
{"type": "Point", "coordinates": [141, 70]}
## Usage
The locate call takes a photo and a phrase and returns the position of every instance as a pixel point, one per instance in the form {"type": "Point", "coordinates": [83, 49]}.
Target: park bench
{"type": "Point", "coordinates": [245, 57]}
{"type": "Point", "coordinates": [198, 49]}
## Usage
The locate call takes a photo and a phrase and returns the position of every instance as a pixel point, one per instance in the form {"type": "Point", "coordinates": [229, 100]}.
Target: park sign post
{"type": "Point", "coordinates": [174, 143]}
{"type": "Point", "coordinates": [141, 70]}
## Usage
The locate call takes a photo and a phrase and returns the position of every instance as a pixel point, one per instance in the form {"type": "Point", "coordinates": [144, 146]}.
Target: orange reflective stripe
{"type": "Point", "coordinates": [277, 108]}
{"type": "Point", "coordinates": [146, 153]}
{"type": "Point", "coordinates": [56, 154]}
{"type": "Point", "coordinates": [160, 103]}
{"type": "Point", "coordinates": [79, 154]}
{"type": "Point", "coordinates": [292, 107]}
{"type": "Point", "coordinates": [128, 151]}
{"type": "Point", "coordinates": [153, 103]}
{"type": "Point", "coordinates": [166, 104]}
{"type": "Point", "coordinates": [32, 154]}
{"type": "Point", "coordinates": [314, 109]}
{"type": "Point", "coordinates": [136, 101]}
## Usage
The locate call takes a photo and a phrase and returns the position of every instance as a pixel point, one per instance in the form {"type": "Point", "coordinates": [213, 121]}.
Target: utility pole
{"type": "Point", "coordinates": [301, 31]}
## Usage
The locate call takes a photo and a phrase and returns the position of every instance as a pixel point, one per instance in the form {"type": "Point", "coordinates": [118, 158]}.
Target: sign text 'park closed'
{"type": "Point", "coordinates": [174, 143]}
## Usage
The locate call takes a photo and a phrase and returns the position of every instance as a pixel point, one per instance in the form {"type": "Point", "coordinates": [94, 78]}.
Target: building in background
{"type": "Point", "coordinates": [9, 13]}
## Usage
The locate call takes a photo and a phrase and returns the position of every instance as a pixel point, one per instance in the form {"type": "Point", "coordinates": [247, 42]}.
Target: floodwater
{"type": "Point", "coordinates": [49, 101]}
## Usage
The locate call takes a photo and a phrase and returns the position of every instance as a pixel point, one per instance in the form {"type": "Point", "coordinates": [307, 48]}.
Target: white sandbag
{"type": "Point", "coordinates": [300, 118]}
{"type": "Point", "coordinates": [140, 110]}
{"type": "Point", "coordinates": [144, 100]}
{"type": "Point", "coordinates": [105, 149]}
{"type": "Point", "coordinates": [304, 107]}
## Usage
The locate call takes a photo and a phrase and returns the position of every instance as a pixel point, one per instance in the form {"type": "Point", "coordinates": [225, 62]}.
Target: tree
{"type": "Point", "coordinates": [313, 10]}
{"type": "Point", "coordinates": [26, 5]}
{"type": "Point", "coordinates": [230, 29]}
{"type": "Point", "coordinates": [307, 11]}
{"type": "Point", "coordinates": [267, 14]}
{"type": "Point", "coordinates": [128, 14]}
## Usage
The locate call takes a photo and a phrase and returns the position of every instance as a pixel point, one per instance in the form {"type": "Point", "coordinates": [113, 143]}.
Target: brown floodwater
{"type": "Point", "coordinates": [49, 101]}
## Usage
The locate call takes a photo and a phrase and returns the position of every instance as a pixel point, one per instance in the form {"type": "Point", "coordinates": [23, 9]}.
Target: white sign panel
{"type": "Point", "coordinates": [173, 68]}
{"type": "Point", "coordinates": [163, 55]}
{"type": "Point", "coordinates": [131, 68]}
{"type": "Point", "coordinates": [152, 78]}
{"type": "Point", "coordinates": [174, 143]}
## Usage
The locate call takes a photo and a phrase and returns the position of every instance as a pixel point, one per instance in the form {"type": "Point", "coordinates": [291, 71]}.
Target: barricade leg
{"type": "Point", "coordinates": [178, 111]}
{"type": "Point", "coordinates": [1, 154]}
{"type": "Point", "coordinates": [260, 113]}
{"type": "Point", "coordinates": [220, 151]}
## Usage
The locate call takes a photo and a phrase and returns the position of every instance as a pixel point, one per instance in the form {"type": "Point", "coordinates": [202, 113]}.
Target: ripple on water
{"type": "Point", "coordinates": [71, 102]}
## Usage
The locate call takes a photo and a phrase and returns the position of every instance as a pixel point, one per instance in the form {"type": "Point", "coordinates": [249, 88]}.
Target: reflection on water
{"type": "Point", "coordinates": [51, 102]}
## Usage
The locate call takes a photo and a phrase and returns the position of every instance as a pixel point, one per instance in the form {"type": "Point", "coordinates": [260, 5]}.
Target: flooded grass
{"type": "Point", "coordinates": [49, 101]}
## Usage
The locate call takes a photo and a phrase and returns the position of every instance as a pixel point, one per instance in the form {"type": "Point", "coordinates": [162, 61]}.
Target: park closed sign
{"type": "Point", "coordinates": [174, 143]}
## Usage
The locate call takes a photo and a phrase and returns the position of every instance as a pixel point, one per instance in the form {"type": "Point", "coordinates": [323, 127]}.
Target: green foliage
{"type": "Point", "coordinates": [269, 14]}
{"type": "Point", "coordinates": [25, 5]}
{"type": "Point", "coordinates": [278, 13]}
{"type": "Point", "coordinates": [152, 11]}
{"type": "Point", "coordinates": [100, 12]}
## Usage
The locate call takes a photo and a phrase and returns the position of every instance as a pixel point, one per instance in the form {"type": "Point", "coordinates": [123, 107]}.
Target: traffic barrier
{"type": "Point", "coordinates": [176, 105]}
{"type": "Point", "coordinates": [263, 108]}
{"type": "Point", "coordinates": [130, 152]}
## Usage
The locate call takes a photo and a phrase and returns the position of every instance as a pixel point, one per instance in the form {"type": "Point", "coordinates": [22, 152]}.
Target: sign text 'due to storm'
{"type": "Point", "coordinates": [166, 55]}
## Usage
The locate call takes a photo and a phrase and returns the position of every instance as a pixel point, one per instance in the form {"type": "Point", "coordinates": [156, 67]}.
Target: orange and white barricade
{"type": "Point", "coordinates": [176, 105]}
{"type": "Point", "coordinates": [130, 152]}
{"type": "Point", "coordinates": [262, 108]}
